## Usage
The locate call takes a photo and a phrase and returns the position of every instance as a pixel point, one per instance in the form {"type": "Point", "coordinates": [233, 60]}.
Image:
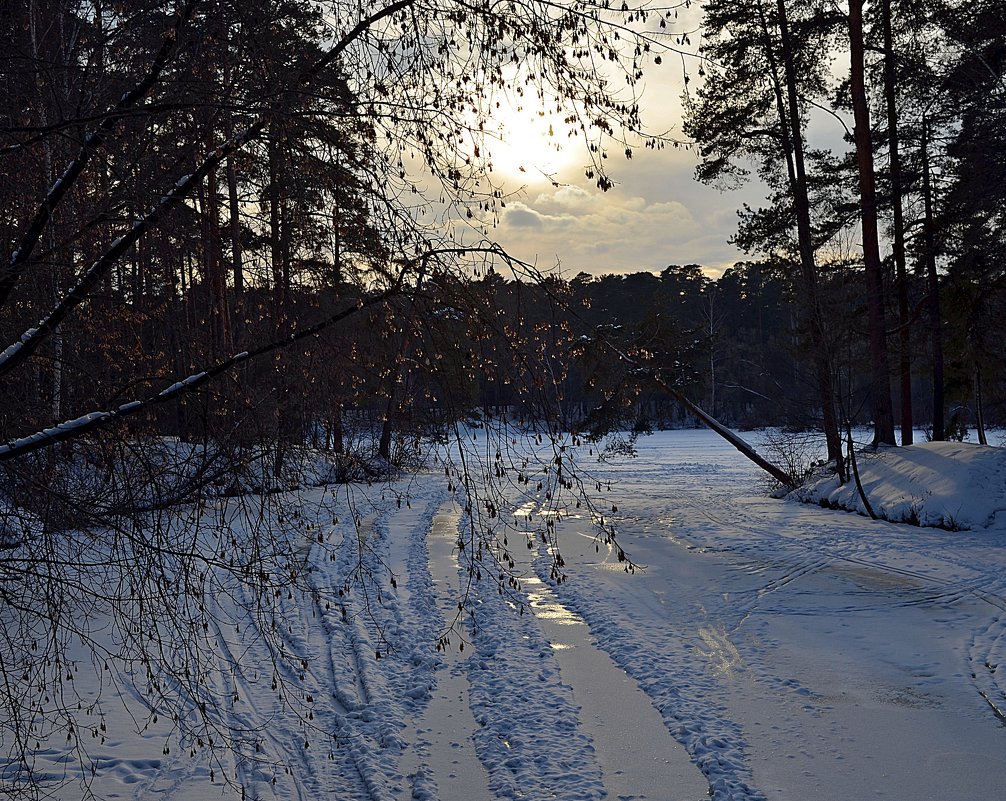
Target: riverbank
{"type": "Point", "coordinates": [951, 485]}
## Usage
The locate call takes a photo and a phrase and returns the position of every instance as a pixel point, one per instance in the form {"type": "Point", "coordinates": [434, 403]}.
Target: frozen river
{"type": "Point", "coordinates": [801, 653]}
{"type": "Point", "coordinates": [768, 650]}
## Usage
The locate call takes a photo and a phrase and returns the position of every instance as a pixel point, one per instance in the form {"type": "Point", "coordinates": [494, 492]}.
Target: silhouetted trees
{"type": "Point", "coordinates": [231, 230]}
{"type": "Point", "coordinates": [909, 104]}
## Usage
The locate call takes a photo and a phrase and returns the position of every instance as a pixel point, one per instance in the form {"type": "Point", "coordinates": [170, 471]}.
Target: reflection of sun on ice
{"type": "Point", "coordinates": [529, 148]}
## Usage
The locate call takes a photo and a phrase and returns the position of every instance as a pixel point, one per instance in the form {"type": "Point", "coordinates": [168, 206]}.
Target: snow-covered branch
{"type": "Point", "coordinates": [83, 424]}
{"type": "Point", "coordinates": [91, 421]}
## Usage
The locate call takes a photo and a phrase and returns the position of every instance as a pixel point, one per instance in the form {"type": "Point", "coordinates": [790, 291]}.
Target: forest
{"type": "Point", "coordinates": [115, 121]}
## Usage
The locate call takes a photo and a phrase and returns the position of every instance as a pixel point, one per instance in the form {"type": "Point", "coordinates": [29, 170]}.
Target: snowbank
{"type": "Point", "coordinates": [952, 485]}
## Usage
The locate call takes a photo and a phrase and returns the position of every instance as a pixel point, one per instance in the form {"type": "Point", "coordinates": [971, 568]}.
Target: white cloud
{"type": "Point", "coordinates": [521, 217]}
{"type": "Point", "coordinates": [654, 217]}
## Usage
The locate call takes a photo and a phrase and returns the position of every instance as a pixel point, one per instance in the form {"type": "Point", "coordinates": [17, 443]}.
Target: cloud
{"type": "Point", "coordinates": [655, 215]}
{"type": "Point", "coordinates": [521, 217]}
{"type": "Point", "coordinates": [565, 198]}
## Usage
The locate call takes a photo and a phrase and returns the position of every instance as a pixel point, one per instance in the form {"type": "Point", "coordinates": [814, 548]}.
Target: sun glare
{"type": "Point", "coordinates": [530, 147]}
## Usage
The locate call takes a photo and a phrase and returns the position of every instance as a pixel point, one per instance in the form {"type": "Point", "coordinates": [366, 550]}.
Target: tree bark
{"type": "Point", "coordinates": [904, 320]}
{"type": "Point", "coordinates": [979, 406]}
{"type": "Point", "coordinates": [883, 417]}
{"type": "Point", "coordinates": [792, 134]}
{"type": "Point", "coordinates": [933, 283]}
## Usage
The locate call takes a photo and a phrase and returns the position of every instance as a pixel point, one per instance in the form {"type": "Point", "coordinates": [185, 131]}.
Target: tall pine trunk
{"type": "Point", "coordinates": [904, 320]}
{"type": "Point", "coordinates": [792, 133]}
{"type": "Point", "coordinates": [933, 283]}
{"type": "Point", "coordinates": [880, 385]}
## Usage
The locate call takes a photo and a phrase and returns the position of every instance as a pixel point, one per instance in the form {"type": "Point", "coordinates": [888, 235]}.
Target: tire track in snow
{"type": "Point", "coordinates": [369, 730]}
{"type": "Point", "coordinates": [446, 767]}
{"type": "Point", "coordinates": [639, 758]}
{"type": "Point", "coordinates": [421, 624]}
{"type": "Point", "coordinates": [529, 736]}
{"type": "Point", "coordinates": [684, 696]}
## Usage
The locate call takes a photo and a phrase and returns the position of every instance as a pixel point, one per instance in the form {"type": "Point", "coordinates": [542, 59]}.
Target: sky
{"type": "Point", "coordinates": [657, 214]}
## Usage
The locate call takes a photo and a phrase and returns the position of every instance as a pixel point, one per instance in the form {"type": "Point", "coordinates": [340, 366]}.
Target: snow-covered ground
{"type": "Point", "coordinates": [954, 485]}
{"type": "Point", "coordinates": [768, 650]}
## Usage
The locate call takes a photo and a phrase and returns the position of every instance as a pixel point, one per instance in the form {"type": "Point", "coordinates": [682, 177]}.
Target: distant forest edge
{"type": "Point", "coordinates": [738, 348]}
{"type": "Point", "coordinates": [547, 351]}
{"type": "Point", "coordinates": [257, 224]}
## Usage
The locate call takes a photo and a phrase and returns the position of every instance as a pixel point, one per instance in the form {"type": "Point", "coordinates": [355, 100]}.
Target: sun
{"type": "Point", "coordinates": [530, 146]}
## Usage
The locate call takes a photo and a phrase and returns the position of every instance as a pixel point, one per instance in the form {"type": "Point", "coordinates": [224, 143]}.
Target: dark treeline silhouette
{"type": "Point", "coordinates": [904, 219]}
{"type": "Point", "coordinates": [736, 345]}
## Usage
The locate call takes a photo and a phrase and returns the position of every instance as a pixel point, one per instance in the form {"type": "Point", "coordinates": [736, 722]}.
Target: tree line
{"type": "Point", "coordinates": [232, 229]}
{"type": "Point", "coordinates": [287, 168]}
{"type": "Point", "coordinates": [897, 239]}
{"type": "Point", "coordinates": [736, 345]}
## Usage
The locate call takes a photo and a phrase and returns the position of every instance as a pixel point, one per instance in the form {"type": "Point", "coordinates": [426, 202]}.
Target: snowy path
{"type": "Point", "coordinates": [638, 757]}
{"type": "Point", "coordinates": [820, 655]}
{"type": "Point", "coordinates": [445, 741]}
{"type": "Point", "coordinates": [769, 652]}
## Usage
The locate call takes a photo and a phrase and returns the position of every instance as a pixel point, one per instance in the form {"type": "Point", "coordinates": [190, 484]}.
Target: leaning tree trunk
{"type": "Point", "coordinates": [711, 422]}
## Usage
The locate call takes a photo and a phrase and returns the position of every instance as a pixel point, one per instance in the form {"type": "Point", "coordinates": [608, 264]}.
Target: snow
{"type": "Point", "coordinates": [14, 347]}
{"type": "Point", "coordinates": [954, 485]}
{"type": "Point", "coordinates": [180, 385]}
{"type": "Point", "coordinates": [52, 432]}
{"type": "Point", "coordinates": [769, 649]}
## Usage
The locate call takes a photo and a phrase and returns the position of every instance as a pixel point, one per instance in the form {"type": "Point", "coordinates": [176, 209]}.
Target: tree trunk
{"type": "Point", "coordinates": [230, 172]}
{"type": "Point", "coordinates": [390, 414]}
{"type": "Point", "coordinates": [237, 268]}
{"type": "Point", "coordinates": [336, 434]}
{"type": "Point", "coordinates": [933, 282]}
{"type": "Point", "coordinates": [792, 132]}
{"type": "Point", "coordinates": [711, 333]}
{"type": "Point", "coordinates": [710, 422]}
{"type": "Point", "coordinates": [904, 320]}
{"type": "Point", "coordinates": [275, 229]}
{"type": "Point", "coordinates": [216, 278]}
{"type": "Point", "coordinates": [979, 406]}
{"type": "Point", "coordinates": [883, 417]}
{"type": "Point", "coordinates": [387, 426]}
